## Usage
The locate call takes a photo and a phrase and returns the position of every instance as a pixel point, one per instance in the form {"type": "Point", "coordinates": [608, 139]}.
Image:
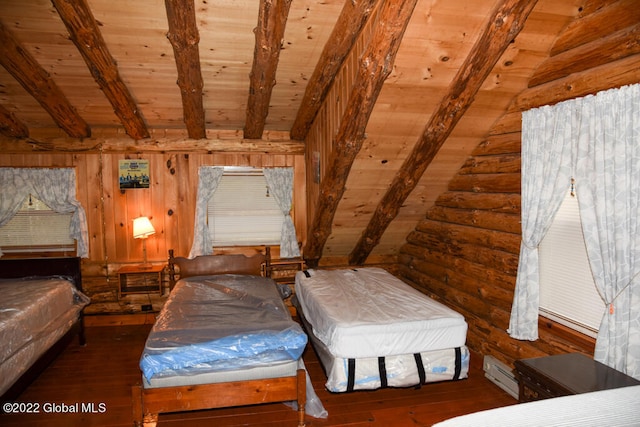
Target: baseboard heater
{"type": "Point", "coordinates": [501, 375]}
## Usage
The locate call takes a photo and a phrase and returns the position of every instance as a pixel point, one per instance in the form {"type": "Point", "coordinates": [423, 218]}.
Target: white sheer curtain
{"type": "Point", "coordinates": [56, 187]}
{"type": "Point", "coordinates": [602, 132]}
{"type": "Point", "coordinates": [608, 188]}
{"type": "Point", "coordinates": [208, 180]}
{"type": "Point", "coordinates": [280, 182]}
{"type": "Point", "coordinates": [546, 176]}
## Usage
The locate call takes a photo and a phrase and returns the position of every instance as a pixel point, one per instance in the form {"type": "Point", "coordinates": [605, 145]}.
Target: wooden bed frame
{"type": "Point", "coordinates": [14, 268]}
{"type": "Point", "coordinates": [148, 403]}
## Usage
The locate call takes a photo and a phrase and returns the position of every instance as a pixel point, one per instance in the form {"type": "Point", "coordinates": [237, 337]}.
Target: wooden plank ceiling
{"type": "Point", "coordinates": [433, 79]}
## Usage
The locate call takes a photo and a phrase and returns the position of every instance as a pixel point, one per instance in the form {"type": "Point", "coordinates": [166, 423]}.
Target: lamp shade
{"type": "Point", "coordinates": [142, 228]}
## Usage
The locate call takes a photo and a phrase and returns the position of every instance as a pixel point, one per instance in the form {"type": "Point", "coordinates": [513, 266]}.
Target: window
{"type": "Point", "coordinates": [242, 212]}
{"type": "Point", "coordinates": [37, 228]}
{"type": "Point", "coordinates": [568, 292]}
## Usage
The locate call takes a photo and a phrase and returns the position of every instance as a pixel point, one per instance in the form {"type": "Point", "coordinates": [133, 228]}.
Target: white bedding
{"type": "Point", "coordinates": [34, 314]}
{"type": "Point", "coordinates": [367, 312]}
{"type": "Point", "coordinates": [617, 407]}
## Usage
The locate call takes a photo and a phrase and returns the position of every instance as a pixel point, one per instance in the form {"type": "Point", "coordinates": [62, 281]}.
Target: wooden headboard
{"type": "Point", "coordinates": [13, 268]}
{"type": "Point", "coordinates": [217, 264]}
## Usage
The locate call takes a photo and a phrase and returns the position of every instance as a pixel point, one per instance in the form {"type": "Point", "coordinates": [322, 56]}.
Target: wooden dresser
{"type": "Point", "coordinates": [565, 374]}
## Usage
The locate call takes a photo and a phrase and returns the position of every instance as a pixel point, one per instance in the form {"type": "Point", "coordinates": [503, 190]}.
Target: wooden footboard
{"type": "Point", "coordinates": [149, 403]}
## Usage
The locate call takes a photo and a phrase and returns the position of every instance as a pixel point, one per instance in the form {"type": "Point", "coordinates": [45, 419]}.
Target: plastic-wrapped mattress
{"type": "Point", "coordinates": [225, 328]}
{"type": "Point", "coordinates": [221, 323]}
{"type": "Point", "coordinates": [372, 330]}
{"type": "Point", "coordinates": [34, 314]}
{"type": "Point", "coordinates": [367, 312]}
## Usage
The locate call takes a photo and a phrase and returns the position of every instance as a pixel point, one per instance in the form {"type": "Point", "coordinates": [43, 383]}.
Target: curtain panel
{"type": "Point", "coordinates": [608, 188]}
{"type": "Point", "coordinates": [596, 140]}
{"type": "Point", "coordinates": [280, 182]}
{"type": "Point", "coordinates": [208, 179]}
{"type": "Point", "coordinates": [56, 187]}
{"type": "Point", "coordinates": [546, 176]}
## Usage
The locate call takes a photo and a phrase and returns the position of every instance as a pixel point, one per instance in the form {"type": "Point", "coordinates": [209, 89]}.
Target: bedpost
{"type": "Point", "coordinates": [136, 401]}
{"type": "Point", "coordinates": [302, 395]}
{"type": "Point", "coordinates": [267, 261]}
{"type": "Point", "coordinates": [172, 271]}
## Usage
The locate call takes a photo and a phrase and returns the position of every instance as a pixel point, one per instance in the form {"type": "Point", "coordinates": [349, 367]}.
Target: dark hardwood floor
{"type": "Point", "coordinates": [99, 376]}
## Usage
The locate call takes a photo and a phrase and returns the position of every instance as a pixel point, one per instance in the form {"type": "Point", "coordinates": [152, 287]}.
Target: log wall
{"type": "Point", "coordinates": [169, 203]}
{"type": "Point", "coordinates": [465, 251]}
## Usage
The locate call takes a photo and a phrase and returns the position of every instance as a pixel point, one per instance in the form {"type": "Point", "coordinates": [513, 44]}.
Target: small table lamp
{"type": "Point", "coordinates": [142, 229]}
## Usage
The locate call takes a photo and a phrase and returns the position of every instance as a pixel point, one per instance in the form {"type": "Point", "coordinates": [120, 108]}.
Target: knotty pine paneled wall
{"type": "Point", "coordinates": [169, 203]}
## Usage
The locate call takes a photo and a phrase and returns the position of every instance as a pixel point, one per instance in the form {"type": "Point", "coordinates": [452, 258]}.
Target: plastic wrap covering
{"type": "Point", "coordinates": [225, 322]}
{"type": "Point", "coordinates": [367, 312]}
{"type": "Point", "coordinates": [401, 370]}
{"type": "Point", "coordinates": [34, 314]}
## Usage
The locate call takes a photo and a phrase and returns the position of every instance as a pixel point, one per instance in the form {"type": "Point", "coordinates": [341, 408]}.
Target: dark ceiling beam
{"type": "Point", "coordinates": [11, 126]}
{"type": "Point", "coordinates": [374, 67]}
{"type": "Point", "coordinates": [85, 34]}
{"type": "Point", "coordinates": [34, 79]}
{"type": "Point", "coordinates": [184, 38]}
{"type": "Point", "coordinates": [345, 33]}
{"type": "Point", "coordinates": [504, 24]}
{"type": "Point", "coordinates": [272, 20]}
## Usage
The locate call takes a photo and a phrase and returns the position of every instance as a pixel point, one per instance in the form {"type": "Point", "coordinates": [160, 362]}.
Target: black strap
{"type": "Point", "coordinates": [306, 273]}
{"type": "Point", "coordinates": [382, 369]}
{"type": "Point", "coordinates": [456, 375]}
{"type": "Point", "coordinates": [351, 374]}
{"type": "Point", "coordinates": [420, 367]}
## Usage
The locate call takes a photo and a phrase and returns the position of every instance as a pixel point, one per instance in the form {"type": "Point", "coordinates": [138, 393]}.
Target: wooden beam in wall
{"type": "Point", "coordinates": [622, 43]}
{"type": "Point", "coordinates": [345, 33]}
{"type": "Point", "coordinates": [506, 21]}
{"type": "Point", "coordinates": [615, 74]}
{"type": "Point", "coordinates": [86, 35]}
{"type": "Point", "coordinates": [272, 20]}
{"type": "Point", "coordinates": [184, 38]}
{"type": "Point", "coordinates": [595, 24]}
{"type": "Point", "coordinates": [11, 126]}
{"type": "Point", "coordinates": [17, 60]}
{"type": "Point", "coordinates": [160, 141]}
{"type": "Point", "coordinates": [374, 67]}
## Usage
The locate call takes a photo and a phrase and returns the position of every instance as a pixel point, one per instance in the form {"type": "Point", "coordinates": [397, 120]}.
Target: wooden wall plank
{"type": "Point", "coordinates": [110, 211]}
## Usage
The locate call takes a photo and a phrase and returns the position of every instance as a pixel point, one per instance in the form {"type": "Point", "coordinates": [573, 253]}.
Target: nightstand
{"type": "Point", "coordinates": [135, 279]}
{"type": "Point", "coordinates": [565, 374]}
{"type": "Point", "coordinates": [284, 270]}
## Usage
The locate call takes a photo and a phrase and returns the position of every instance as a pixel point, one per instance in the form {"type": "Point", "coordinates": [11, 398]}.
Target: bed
{"type": "Point", "coordinates": [371, 330]}
{"type": "Point", "coordinates": [616, 407]}
{"type": "Point", "coordinates": [40, 313]}
{"type": "Point", "coordinates": [223, 338]}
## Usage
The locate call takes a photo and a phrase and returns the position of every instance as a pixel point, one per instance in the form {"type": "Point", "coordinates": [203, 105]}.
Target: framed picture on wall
{"type": "Point", "coordinates": [133, 174]}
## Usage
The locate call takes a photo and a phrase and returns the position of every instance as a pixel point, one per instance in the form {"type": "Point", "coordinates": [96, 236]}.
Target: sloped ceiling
{"type": "Point", "coordinates": [220, 70]}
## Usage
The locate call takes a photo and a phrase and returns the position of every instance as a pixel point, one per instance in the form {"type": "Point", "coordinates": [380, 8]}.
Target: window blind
{"type": "Point", "coordinates": [36, 228]}
{"type": "Point", "coordinates": [568, 292]}
{"type": "Point", "coordinates": [242, 212]}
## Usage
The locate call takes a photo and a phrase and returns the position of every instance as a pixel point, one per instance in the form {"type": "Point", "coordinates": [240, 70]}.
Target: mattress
{"type": "Point", "coordinates": [367, 312]}
{"type": "Point", "coordinates": [34, 314]}
{"type": "Point", "coordinates": [221, 323]}
{"type": "Point", "coordinates": [617, 407]}
{"type": "Point", "coordinates": [285, 368]}
{"type": "Point", "coordinates": [224, 328]}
